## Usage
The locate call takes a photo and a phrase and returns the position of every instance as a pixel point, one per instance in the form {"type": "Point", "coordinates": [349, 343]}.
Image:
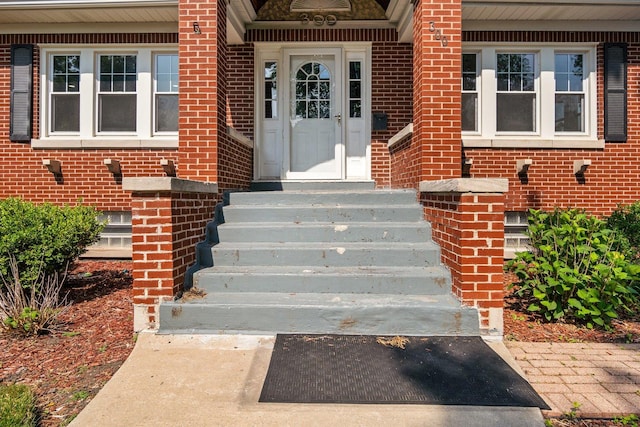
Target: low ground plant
{"type": "Point", "coordinates": [626, 220]}
{"type": "Point", "coordinates": [30, 310]}
{"type": "Point", "coordinates": [17, 406]}
{"type": "Point", "coordinates": [577, 269]}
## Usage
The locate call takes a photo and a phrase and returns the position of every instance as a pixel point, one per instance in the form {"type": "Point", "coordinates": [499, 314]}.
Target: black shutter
{"type": "Point", "coordinates": [21, 92]}
{"type": "Point", "coordinates": [615, 92]}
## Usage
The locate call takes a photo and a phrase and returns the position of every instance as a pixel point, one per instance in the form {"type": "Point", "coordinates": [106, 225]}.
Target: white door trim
{"type": "Point", "coordinates": [271, 134]}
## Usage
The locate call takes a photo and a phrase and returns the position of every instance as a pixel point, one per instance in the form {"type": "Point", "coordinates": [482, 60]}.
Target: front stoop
{"type": "Point", "coordinates": [323, 260]}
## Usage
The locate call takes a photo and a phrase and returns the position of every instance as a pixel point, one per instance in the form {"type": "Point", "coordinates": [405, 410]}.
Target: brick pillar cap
{"type": "Point", "coordinates": [465, 185]}
{"type": "Point", "coordinates": [167, 184]}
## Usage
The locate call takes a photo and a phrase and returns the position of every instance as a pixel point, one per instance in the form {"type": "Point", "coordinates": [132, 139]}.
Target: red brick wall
{"type": "Point", "coordinates": [614, 175]}
{"type": "Point", "coordinates": [391, 92]}
{"type": "Point", "coordinates": [166, 226]}
{"type": "Point", "coordinates": [435, 148]}
{"type": "Point", "coordinates": [202, 84]}
{"type": "Point", "coordinates": [470, 231]}
{"type": "Point", "coordinates": [84, 174]}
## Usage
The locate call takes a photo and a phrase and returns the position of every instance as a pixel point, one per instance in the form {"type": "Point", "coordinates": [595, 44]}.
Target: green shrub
{"type": "Point", "coordinates": [17, 406]}
{"type": "Point", "coordinates": [575, 271]}
{"type": "Point", "coordinates": [626, 220]}
{"type": "Point", "coordinates": [44, 239]}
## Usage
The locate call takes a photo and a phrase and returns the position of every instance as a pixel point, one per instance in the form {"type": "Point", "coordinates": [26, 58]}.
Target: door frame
{"type": "Point", "coordinates": [355, 157]}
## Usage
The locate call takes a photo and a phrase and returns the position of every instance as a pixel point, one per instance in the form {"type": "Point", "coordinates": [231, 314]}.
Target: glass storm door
{"type": "Point", "coordinates": [315, 121]}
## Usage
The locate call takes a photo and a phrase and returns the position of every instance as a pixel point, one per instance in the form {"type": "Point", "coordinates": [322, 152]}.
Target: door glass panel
{"type": "Point", "coordinates": [313, 91]}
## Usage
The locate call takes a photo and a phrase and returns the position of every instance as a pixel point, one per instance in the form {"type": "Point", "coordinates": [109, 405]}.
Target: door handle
{"type": "Point", "coordinates": [339, 117]}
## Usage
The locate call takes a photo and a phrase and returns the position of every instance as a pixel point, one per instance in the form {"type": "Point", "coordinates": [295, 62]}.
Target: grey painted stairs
{"type": "Point", "coordinates": [329, 259]}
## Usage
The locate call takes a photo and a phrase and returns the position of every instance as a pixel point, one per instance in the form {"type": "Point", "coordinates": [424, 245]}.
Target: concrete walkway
{"type": "Point", "coordinates": [603, 379]}
{"type": "Point", "coordinates": [205, 380]}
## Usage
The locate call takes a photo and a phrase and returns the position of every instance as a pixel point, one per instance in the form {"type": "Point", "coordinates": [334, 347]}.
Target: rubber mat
{"type": "Point", "coordinates": [370, 369]}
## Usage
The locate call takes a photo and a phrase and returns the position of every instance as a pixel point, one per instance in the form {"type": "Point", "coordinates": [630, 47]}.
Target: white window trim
{"type": "Point", "coordinates": [545, 135]}
{"type": "Point", "coordinates": [88, 136]}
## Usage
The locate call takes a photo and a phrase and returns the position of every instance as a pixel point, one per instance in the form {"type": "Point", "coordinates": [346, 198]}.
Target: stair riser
{"type": "Point", "coordinates": [370, 320]}
{"type": "Point", "coordinates": [321, 214]}
{"type": "Point", "coordinates": [366, 284]}
{"type": "Point", "coordinates": [385, 198]}
{"type": "Point", "coordinates": [326, 257]}
{"type": "Point", "coordinates": [328, 233]}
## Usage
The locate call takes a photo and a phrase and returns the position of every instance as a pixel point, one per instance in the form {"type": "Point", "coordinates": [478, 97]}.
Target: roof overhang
{"type": "Point", "coordinates": [101, 16]}
{"type": "Point", "coordinates": [551, 15]}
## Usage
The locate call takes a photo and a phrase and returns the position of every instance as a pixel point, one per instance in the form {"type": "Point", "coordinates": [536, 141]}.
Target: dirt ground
{"type": "Point", "coordinates": [67, 368]}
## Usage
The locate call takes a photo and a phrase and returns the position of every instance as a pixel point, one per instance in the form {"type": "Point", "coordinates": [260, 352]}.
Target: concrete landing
{"type": "Point", "coordinates": [209, 380]}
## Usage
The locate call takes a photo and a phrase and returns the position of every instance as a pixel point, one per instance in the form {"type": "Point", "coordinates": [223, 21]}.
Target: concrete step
{"type": "Point", "coordinates": [316, 185]}
{"type": "Point", "coordinates": [299, 279]}
{"type": "Point", "coordinates": [325, 213]}
{"type": "Point", "coordinates": [325, 232]}
{"type": "Point", "coordinates": [261, 313]}
{"type": "Point", "coordinates": [345, 254]}
{"type": "Point", "coordinates": [326, 197]}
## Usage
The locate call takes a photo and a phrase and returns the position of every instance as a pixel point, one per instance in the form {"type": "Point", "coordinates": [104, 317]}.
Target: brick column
{"type": "Point", "coordinates": [203, 61]}
{"type": "Point", "coordinates": [437, 56]}
{"type": "Point", "coordinates": [467, 218]}
{"type": "Point", "coordinates": [169, 216]}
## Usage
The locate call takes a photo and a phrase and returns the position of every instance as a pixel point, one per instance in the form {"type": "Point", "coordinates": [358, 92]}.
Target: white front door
{"type": "Point", "coordinates": [314, 104]}
{"type": "Point", "coordinates": [312, 112]}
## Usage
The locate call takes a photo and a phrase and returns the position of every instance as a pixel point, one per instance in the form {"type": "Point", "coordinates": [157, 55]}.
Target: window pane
{"type": "Point", "coordinates": [166, 73]}
{"type": "Point", "coordinates": [59, 83]}
{"type": "Point", "coordinates": [354, 89]}
{"type": "Point", "coordinates": [516, 112]}
{"type": "Point", "coordinates": [117, 113]}
{"type": "Point", "coordinates": [167, 113]}
{"type": "Point", "coordinates": [470, 112]}
{"type": "Point", "coordinates": [73, 84]}
{"type": "Point", "coordinates": [354, 70]}
{"type": "Point", "coordinates": [355, 108]}
{"type": "Point", "coordinates": [105, 64]}
{"type": "Point", "coordinates": [569, 113]}
{"type": "Point", "coordinates": [65, 113]}
{"type": "Point", "coordinates": [117, 73]}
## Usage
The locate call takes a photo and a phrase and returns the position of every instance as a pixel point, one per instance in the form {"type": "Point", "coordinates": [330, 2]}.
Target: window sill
{"type": "Point", "coordinates": [533, 143]}
{"type": "Point", "coordinates": [99, 143]}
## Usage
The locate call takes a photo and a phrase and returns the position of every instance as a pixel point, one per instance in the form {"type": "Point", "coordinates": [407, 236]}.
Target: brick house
{"type": "Point", "coordinates": [158, 107]}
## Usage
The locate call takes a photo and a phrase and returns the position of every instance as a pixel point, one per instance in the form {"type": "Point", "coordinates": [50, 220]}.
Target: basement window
{"type": "Point", "coordinates": [115, 239]}
{"type": "Point", "coordinates": [515, 239]}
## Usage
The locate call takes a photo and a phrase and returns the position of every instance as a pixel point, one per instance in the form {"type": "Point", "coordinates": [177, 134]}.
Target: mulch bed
{"type": "Point", "coordinates": [68, 367]}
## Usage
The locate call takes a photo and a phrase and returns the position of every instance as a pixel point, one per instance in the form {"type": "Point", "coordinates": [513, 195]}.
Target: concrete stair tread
{"type": "Point", "coordinates": [344, 271]}
{"type": "Point", "coordinates": [324, 245]}
{"type": "Point", "coordinates": [304, 299]}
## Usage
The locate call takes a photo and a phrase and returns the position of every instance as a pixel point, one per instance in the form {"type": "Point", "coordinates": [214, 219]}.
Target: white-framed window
{"type": "Point", "coordinates": [165, 85]}
{"type": "Point", "coordinates": [515, 238]}
{"type": "Point", "coordinates": [529, 96]}
{"type": "Point", "coordinates": [117, 94]}
{"type": "Point", "coordinates": [109, 95]}
{"type": "Point", "coordinates": [470, 94]}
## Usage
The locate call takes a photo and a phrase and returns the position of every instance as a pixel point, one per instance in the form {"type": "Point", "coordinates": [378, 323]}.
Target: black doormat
{"type": "Point", "coordinates": [370, 369]}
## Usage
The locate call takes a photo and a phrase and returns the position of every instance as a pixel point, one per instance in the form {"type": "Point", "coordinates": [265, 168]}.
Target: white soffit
{"type": "Point", "coordinates": [568, 15]}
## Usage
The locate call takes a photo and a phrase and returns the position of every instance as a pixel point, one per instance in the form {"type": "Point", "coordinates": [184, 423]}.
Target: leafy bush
{"type": "Point", "coordinates": [17, 406]}
{"type": "Point", "coordinates": [44, 239]}
{"type": "Point", "coordinates": [626, 220]}
{"type": "Point", "coordinates": [575, 270]}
